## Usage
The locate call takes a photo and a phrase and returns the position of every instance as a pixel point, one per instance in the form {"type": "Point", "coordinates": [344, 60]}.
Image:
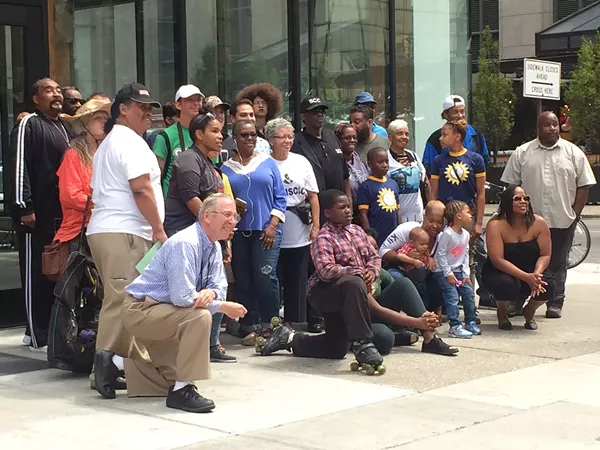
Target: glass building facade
{"type": "Point", "coordinates": [410, 54]}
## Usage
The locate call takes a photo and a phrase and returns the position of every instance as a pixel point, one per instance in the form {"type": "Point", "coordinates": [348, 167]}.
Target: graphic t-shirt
{"type": "Point", "coordinates": [457, 174]}
{"type": "Point", "coordinates": [409, 178]}
{"type": "Point", "coordinates": [298, 178]}
{"type": "Point", "coordinates": [160, 149]}
{"type": "Point", "coordinates": [380, 198]}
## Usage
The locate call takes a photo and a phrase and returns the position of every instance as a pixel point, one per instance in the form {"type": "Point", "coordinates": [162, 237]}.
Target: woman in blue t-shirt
{"type": "Point", "coordinates": [255, 179]}
{"type": "Point", "coordinates": [459, 174]}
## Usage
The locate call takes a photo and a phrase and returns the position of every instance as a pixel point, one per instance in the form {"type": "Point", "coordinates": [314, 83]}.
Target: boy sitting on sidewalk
{"type": "Point", "coordinates": [346, 268]}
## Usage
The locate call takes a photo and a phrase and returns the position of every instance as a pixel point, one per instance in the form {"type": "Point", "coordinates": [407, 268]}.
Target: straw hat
{"type": "Point", "coordinates": [90, 107]}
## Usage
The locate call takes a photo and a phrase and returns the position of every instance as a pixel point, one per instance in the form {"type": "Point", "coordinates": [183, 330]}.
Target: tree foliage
{"type": "Point", "coordinates": [583, 95]}
{"type": "Point", "coordinates": [493, 97]}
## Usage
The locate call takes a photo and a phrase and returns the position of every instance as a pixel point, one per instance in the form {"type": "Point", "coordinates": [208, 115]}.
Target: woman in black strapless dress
{"type": "Point", "coordinates": [519, 248]}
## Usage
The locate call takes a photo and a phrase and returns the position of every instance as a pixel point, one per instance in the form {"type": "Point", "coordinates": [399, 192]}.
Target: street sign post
{"type": "Point", "coordinates": [541, 79]}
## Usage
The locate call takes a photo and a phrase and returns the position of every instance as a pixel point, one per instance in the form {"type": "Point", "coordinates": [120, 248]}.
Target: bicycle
{"type": "Point", "coordinates": [582, 239]}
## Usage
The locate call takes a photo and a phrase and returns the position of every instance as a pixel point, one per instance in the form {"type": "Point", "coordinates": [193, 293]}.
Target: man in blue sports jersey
{"type": "Point", "coordinates": [454, 110]}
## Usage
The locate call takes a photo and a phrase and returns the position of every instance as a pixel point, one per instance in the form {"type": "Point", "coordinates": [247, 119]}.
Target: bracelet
{"type": "Point", "coordinates": [273, 226]}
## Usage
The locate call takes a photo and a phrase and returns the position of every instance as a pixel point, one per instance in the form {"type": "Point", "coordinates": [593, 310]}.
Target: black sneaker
{"type": "Point", "coordinates": [218, 355]}
{"type": "Point", "coordinates": [188, 399]}
{"type": "Point", "coordinates": [438, 347]}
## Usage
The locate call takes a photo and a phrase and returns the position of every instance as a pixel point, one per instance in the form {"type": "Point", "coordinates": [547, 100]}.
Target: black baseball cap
{"type": "Point", "coordinates": [311, 103]}
{"type": "Point", "coordinates": [132, 91]}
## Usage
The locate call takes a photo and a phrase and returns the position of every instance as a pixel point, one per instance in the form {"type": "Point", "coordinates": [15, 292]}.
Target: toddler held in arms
{"type": "Point", "coordinates": [416, 260]}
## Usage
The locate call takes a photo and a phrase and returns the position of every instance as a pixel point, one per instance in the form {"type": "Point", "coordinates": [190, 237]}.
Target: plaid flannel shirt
{"type": "Point", "coordinates": [342, 250]}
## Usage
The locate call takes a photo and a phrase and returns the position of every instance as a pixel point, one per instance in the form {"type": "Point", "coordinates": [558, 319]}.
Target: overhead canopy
{"type": "Point", "coordinates": [566, 35]}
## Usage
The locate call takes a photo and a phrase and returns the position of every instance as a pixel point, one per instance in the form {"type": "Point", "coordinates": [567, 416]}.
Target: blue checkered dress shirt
{"type": "Point", "coordinates": [187, 263]}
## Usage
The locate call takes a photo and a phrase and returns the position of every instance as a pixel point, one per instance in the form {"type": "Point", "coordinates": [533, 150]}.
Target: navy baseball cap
{"type": "Point", "coordinates": [312, 103]}
{"type": "Point", "coordinates": [364, 97]}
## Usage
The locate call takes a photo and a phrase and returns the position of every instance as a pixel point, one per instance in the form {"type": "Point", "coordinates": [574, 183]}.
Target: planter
{"type": "Point", "coordinates": [494, 173]}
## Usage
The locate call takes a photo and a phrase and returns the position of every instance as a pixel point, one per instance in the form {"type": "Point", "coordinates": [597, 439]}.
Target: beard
{"type": "Point", "coordinates": [363, 135]}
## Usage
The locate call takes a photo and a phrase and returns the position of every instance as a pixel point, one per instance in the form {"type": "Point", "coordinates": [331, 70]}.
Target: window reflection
{"type": "Point", "coordinates": [104, 47]}
{"type": "Point", "coordinates": [349, 53]}
{"type": "Point", "coordinates": [159, 49]}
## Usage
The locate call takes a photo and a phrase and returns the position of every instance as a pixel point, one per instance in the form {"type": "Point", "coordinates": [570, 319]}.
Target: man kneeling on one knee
{"type": "Point", "coordinates": [346, 267]}
{"type": "Point", "coordinates": [169, 307]}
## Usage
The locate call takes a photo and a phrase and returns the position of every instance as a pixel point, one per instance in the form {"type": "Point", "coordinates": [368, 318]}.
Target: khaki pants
{"type": "Point", "coordinates": [178, 341]}
{"type": "Point", "coordinates": [115, 256]}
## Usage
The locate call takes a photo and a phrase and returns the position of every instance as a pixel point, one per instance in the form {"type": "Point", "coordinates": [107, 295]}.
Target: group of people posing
{"type": "Point", "coordinates": [303, 219]}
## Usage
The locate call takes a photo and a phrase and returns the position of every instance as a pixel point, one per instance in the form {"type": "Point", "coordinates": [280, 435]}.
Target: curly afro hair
{"type": "Point", "coordinates": [266, 91]}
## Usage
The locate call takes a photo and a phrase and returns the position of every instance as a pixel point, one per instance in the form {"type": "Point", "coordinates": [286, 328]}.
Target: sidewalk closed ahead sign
{"type": "Point", "coordinates": [541, 79]}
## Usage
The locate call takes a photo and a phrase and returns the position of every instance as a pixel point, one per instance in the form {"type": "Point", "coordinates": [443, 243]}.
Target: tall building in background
{"type": "Point", "coordinates": [544, 29]}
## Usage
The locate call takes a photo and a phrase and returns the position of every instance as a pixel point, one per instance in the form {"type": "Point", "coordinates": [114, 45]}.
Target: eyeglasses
{"type": "Point", "coordinates": [229, 215]}
{"type": "Point", "coordinates": [259, 103]}
{"type": "Point", "coordinates": [250, 135]}
{"type": "Point", "coordinates": [518, 198]}
{"type": "Point", "coordinates": [284, 138]}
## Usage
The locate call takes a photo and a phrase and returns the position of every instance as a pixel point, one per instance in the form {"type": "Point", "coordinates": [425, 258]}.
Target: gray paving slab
{"type": "Point", "coordinates": [557, 426]}
{"type": "Point", "coordinates": [380, 425]}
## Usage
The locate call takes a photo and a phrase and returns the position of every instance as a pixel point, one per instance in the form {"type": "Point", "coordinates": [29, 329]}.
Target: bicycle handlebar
{"type": "Point", "coordinates": [495, 187]}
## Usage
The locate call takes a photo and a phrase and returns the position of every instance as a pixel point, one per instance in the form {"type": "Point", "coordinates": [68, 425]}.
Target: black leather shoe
{"type": "Point", "coordinates": [188, 399]}
{"type": "Point", "coordinates": [105, 374]}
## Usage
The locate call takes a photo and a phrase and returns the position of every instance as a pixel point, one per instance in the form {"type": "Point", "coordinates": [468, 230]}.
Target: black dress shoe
{"type": "Point", "coordinates": [105, 374]}
{"type": "Point", "coordinates": [188, 399]}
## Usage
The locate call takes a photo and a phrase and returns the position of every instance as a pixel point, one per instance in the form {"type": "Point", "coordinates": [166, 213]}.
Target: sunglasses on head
{"type": "Point", "coordinates": [521, 198]}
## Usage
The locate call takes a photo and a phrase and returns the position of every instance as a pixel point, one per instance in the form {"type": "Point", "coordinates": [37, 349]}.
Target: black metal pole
{"type": "Point", "coordinates": [294, 75]}
{"type": "Point", "coordinates": [391, 81]}
{"type": "Point", "coordinates": [139, 42]}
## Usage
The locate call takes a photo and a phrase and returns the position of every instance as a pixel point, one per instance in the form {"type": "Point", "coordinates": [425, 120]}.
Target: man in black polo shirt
{"type": "Point", "coordinates": [322, 148]}
{"type": "Point", "coordinates": [324, 152]}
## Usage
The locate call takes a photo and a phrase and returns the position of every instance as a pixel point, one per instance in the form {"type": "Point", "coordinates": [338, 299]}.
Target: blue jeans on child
{"type": "Point", "coordinates": [451, 295]}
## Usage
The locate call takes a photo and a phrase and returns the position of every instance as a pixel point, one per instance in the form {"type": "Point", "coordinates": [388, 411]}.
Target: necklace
{"type": "Point", "coordinates": [242, 160]}
{"type": "Point", "coordinates": [62, 132]}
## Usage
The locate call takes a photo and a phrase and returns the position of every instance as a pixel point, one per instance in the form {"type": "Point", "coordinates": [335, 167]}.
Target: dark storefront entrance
{"type": "Point", "coordinates": [23, 59]}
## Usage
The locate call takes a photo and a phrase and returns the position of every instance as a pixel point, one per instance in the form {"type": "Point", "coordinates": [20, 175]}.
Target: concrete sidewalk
{"type": "Point", "coordinates": [505, 389]}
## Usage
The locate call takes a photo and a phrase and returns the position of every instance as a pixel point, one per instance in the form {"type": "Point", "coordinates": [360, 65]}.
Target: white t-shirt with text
{"type": "Point", "coordinates": [122, 156]}
{"type": "Point", "coordinates": [298, 177]}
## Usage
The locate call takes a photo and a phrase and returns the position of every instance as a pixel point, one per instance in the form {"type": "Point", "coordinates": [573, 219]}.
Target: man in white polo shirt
{"type": "Point", "coordinates": [127, 218]}
{"type": "Point", "coordinates": [557, 176]}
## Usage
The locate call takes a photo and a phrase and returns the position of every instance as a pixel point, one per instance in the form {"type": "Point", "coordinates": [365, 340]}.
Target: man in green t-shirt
{"type": "Point", "coordinates": [168, 143]}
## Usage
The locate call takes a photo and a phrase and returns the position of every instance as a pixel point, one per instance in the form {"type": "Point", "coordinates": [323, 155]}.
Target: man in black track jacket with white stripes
{"type": "Point", "coordinates": [42, 140]}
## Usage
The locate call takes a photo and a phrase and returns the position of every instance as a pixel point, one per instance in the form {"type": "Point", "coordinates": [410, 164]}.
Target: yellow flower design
{"type": "Point", "coordinates": [457, 173]}
{"type": "Point", "coordinates": [386, 200]}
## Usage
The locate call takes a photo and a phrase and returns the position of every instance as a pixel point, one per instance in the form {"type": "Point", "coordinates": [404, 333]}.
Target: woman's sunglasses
{"type": "Point", "coordinates": [519, 198]}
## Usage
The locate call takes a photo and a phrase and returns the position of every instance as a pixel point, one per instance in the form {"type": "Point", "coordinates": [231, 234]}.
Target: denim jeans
{"type": "Point", "coordinates": [256, 282]}
{"type": "Point", "coordinates": [428, 290]}
{"type": "Point", "coordinates": [215, 330]}
{"type": "Point", "coordinates": [451, 295]}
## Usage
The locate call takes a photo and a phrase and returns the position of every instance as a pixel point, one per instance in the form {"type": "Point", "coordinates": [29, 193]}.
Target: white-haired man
{"type": "Point", "coordinates": [169, 307]}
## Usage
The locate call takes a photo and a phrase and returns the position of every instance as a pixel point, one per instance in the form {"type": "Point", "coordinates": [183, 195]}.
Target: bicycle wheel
{"type": "Point", "coordinates": [580, 248]}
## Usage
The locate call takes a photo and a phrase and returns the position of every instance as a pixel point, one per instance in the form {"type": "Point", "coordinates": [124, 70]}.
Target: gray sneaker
{"type": "Point", "coordinates": [218, 355]}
